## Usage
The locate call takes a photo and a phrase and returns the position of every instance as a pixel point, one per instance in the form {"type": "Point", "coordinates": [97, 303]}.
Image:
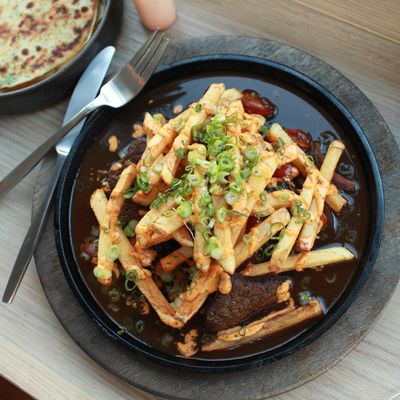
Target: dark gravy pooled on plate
{"type": "Point", "coordinates": [350, 227]}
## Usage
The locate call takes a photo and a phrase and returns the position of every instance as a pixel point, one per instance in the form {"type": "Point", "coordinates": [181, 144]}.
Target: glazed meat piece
{"type": "Point", "coordinates": [128, 211]}
{"type": "Point", "coordinates": [253, 103]}
{"type": "Point", "coordinates": [135, 151]}
{"type": "Point", "coordinates": [247, 297]}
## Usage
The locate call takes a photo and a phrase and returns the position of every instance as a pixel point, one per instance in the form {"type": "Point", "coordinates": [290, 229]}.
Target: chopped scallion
{"type": "Point", "coordinates": [113, 253]}
{"type": "Point", "coordinates": [185, 209]}
{"type": "Point", "coordinates": [131, 276]}
{"type": "Point", "coordinates": [304, 297]}
{"type": "Point", "coordinates": [230, 198]}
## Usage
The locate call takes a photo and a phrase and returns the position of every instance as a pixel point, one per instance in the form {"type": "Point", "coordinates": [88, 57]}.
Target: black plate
{"type": "Point", "coordinates": [60, 83]}
{"type": "Point", "coordinates": [240, 65]}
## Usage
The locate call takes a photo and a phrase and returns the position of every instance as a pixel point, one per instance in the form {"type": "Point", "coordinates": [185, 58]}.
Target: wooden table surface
{"type": "Point", "coordinates": [360, 38]}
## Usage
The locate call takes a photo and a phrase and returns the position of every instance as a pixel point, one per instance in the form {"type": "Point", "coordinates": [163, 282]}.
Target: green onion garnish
{"type": "Point", "coordinates": [161, 198]}
{"type": "Point", "coordinates": [221, 214]}
{"type": "Point", "coordinates": [157, 169]}
{"type": "Point", "coordinates": [235, 187]}
{"type": "Point", "coordinates": [113, 253]}
{"type": "Point", "coordinates": [185, 209]}
{"type": "Point", "coordinates": [250, 153]}
{"type": "Point", "coordinates": [309, 161]}
{"type": "Point", "coordinates": [263, 198]}
{"type": "Point", "coordinates": [304, 297]}
{"type": "Point", "coordinates": [129, 229]}
{"type": "Point", "coordinates": [221, 177]}
{"type": "Point", "coordinates": [255, 171]}
{"type": "Point", "coordinates": [216, 253]}
{"type": "Point", "coordinates": [158, 118]}
{"type": "Point", "coordinates": [246, 238]}
{"type": "Point", "coordinates": [230, 198]}
{"type": "Point", "coordinates": [102, 273]}
{"type": "Point", "coordinates": [140, 325]}
{"type": "Point", "coordinates": [281, 144]}
{"type": "Point", "coordinates": [194, 179]}
{"type": "Point", "coordinates": [264, 130]}
{"type": "Point", "coordinates": [180, 153]}
{"type": "Point", "coordinates": [226, 163]}
{"type": "Point", "coordinates": [131, 276]}
{"type": "Point", "coordinates": [214, 188]}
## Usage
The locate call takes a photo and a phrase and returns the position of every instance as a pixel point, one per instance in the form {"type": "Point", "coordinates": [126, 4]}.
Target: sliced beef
{"type": "Point", "coordinates": [128, 212]}
{"type": "Point", "coordinates": [248, 296]}
{"type": "Point", "coordinates": [133, 154]}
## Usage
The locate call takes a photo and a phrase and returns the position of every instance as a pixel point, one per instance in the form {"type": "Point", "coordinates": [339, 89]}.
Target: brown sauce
{"type": "Point", "coordinates": [295, 111]}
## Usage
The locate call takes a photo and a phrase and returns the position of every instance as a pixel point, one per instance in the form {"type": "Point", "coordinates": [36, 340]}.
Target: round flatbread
{"type": "Point", "coordinates": [38, 37]}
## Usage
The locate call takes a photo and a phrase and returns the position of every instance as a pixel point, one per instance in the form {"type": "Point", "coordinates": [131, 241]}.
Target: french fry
{"type": "Point", "coordinates": [299, 262]}
{"type": "Point", "coordinates": [304, 163]}
{"type": "Point", "coordinates": [155, 183]}
{"type": "Point", "coordinates": [159, 142]}
{"type": "Point", "coordinates": [129, 262]}
{"type": "Point", "coordinates": [272, 323]}
{"type": "Point", "coordinates": [335, 200]}
{"type": "Point", "coordinates": [223, 234]}
{"type": "Point", "coordinates": [183, 236]}
{"type": "Point", "coordinates": [176, 258]}
{"type": "Point", "coordinates": [168, 223]}
{"type": "Point", "coordinates": [145, 224]}
{"type": "Point", "coordinates": [210, 99]}
{"type": "Point", "coordinates": [200, 256]}
{"type": "Point", "coordinates": [104, 244]}
{"type": "Point", "coordinates": [116, 200]}
{"type": "Point", "coordinates": [285, 245]}
{"type": "Point", "coordinates": [145, 199]}
{"type": "Point", "coordinates": [202, 285]}
{"type": "Point", "coordinates": [260, 234]}
{"type": "Point", "coordinates": [256, 184]}
{"type": "Point", "coordinates": [152, 126]}
{"type": "Point", "coordinates": [146, 256]}
{"type": "Point", "coordinates": [227, 98]}
{"type": "Point", "coordinates": [287, 154]}
{"type": "Point", "coordinates": [311, 228]}
{"type": "Point", "coordinates": [183, 140]}
{"type": "Point", "coordinates": [267, 202]}
{"type": "Point", "coordinates": [181, 143]}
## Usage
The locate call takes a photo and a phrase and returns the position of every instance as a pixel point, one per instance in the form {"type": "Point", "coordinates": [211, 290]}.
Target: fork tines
{"type": "Point", "coordinates": [149, 55]}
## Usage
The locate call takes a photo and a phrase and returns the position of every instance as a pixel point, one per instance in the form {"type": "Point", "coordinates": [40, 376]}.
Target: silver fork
{"type": "Point", "coordinates": [118, 91]}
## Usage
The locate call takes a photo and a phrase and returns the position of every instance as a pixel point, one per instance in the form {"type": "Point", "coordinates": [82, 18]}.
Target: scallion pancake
{"type": "Point", "coordinates": [37, 37]}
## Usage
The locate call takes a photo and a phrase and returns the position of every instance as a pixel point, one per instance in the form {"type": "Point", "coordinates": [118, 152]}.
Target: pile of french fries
{"type": "Point", "coordinates": [203, 174]}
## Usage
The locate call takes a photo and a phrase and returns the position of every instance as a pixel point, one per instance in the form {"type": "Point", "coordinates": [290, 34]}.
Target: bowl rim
{"type": "Point", "coordinates": [68, 65]}
{"type": "Point", "coordinates": [313, 332]}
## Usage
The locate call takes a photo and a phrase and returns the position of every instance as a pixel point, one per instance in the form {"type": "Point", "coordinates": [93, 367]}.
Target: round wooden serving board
{"type": "Point", "coordinates": [299, 367]}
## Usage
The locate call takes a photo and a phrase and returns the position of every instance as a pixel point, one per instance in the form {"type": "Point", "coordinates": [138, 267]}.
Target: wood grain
{"type": "Point", "coordinates": [39, 356]}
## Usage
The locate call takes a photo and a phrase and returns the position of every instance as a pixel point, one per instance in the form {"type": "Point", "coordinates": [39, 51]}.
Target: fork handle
{"type": "Point", "coordinates": [32, 237]}
{"type": "Point", "coordinates": [18, 173]}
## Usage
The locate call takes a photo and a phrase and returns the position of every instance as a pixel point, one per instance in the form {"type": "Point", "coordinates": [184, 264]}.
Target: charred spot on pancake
{"type": "Point", "coordinates": [38, 48]}
{"type": "Point", "coordinates": [84, 9]}
{"type": "Point", "coordinates": [25, 52]}
{"type": "Point", "coordinates": [30, 4]}
{"type": "Point", "coordinates": [62, 9]}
